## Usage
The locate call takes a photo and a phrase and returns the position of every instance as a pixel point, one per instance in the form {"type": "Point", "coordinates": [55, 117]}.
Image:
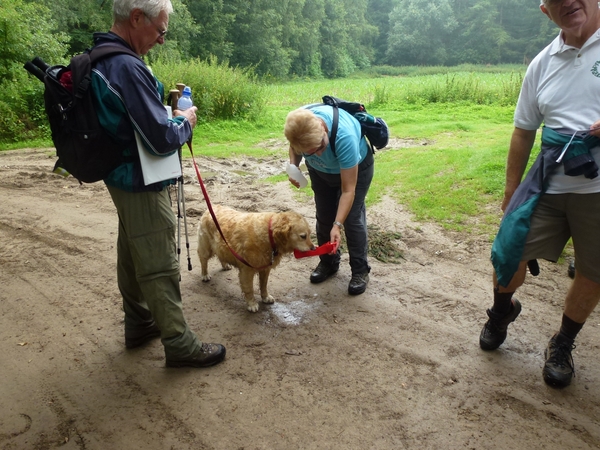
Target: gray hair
{"type": "Point", "coordinates": [151, 8]}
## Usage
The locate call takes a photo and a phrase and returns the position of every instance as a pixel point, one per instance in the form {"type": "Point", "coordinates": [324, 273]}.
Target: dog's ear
{"type": "Point", "coordinates": [281, 227]}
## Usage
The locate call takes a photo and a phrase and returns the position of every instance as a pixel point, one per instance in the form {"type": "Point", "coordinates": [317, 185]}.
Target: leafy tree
{"type": "Point", "coordinates": [301, 23]}
{"type": "Point", "coordinates": [361, 33]}
{"type": "Point", "coordinates": [378, 14]}
{"type": "Point", "coordinates": [25, 32]}
{"type": "Point", "coordinates": [257, 34]}
{"type": "Point", "coordinates": [335, 41]}
{"type": "Point", "coordinates": [418, 32]}
{"type": "Point", "coordinates": [178, 42]}
{"type": "Point", "coordinates": [529, 30]}
{"type": "Point", "coordinates": [481, 36]}
{"type": "Point", "coordinates": [80, 19]}
{"type": "Point", "coordinates": [214, 23]}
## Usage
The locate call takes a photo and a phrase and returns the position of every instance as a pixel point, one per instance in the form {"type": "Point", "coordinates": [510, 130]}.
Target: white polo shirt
{"type": "Point", "coordinates": [561, 89]}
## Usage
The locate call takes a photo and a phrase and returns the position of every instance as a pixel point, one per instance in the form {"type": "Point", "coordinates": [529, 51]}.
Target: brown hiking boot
{"type": "Point", "coordinates": [209, 355]}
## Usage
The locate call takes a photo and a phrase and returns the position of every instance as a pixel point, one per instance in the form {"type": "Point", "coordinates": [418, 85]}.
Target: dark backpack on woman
{"type": "Point", "coordinates": [373, 128]}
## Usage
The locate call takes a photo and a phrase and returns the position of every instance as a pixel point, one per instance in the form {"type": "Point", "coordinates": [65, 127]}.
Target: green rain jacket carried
{"type": "Point", "coordinates": [507, 249]}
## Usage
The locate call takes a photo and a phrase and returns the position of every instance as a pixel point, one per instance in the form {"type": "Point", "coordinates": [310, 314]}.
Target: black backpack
{"type": "Point", "coordinates": [83, 147]}
{"type": "Point", "coordinates": [374, 128]}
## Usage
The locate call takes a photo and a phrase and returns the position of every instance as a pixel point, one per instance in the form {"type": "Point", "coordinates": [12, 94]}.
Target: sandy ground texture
{"type": "Point", "coordinates": [398, 367]}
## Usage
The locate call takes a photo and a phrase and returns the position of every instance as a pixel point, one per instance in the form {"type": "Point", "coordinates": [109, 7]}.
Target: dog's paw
{"type": "Point", "coordinates": [269, 299]}
{"type": "Point", "coordinates": [253, 307]}
{"type": "Point", "coordinates": [206, 278]}
{"type": "Point", "coordinates": [227, 266]}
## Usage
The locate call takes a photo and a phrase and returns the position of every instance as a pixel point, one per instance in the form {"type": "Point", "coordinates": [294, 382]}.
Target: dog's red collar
{"type": "Point", "coordinates": [274, 252]}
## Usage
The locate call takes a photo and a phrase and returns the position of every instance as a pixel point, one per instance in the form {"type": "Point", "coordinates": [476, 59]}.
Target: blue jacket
{"type": "Point", "coordinates": [130, 97]}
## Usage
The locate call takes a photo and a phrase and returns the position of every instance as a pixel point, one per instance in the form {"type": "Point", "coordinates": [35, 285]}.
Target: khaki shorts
{"type": "Point", "coordinates": [559, 217]}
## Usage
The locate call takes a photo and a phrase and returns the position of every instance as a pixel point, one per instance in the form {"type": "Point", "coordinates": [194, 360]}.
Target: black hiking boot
{"type": "Point", "coordinates": [494, 331]}
{"type": "Point", "coordinates": [559, 368]}
{"type": "Point", "coordinates": [322, 272]}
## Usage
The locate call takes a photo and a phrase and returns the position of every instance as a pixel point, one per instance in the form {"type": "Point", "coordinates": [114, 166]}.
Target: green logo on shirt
{"type": "Point", "coordinates": [595, 70]}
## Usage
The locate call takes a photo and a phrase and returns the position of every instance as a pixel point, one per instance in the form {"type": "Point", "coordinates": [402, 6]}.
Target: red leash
{"type": "Point", "coordinates": [274, 253]}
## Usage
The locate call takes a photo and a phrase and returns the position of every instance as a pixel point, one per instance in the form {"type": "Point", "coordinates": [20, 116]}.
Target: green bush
{"type": "Point", "coordinates": [10, 125]}
{"type": "Point", "coordinates": [480, 88]}
{"type": "Point", "coordinates": [499, 88]}
{"type": "Point", "coordinates": [22, 115]}
{"type": "Point", "coordinates": [219, 91]}
{"type": "Point", "coordinates": [417, 71]}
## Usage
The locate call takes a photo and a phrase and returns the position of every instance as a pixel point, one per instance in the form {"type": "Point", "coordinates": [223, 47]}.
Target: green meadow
{"type": "Point", "coordinates": [454, 130]}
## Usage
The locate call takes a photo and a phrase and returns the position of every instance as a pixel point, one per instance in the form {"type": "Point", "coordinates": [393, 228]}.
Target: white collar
{"type": "Point", "coordinates": [558, 45]}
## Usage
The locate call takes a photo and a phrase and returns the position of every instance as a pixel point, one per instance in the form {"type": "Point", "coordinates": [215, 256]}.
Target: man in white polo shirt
{"type": "Point", "coordinates": [559, 198]}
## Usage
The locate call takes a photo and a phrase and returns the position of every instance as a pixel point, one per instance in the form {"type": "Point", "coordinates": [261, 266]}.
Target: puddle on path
{"type": "Point", "coordinates": [295, 311]}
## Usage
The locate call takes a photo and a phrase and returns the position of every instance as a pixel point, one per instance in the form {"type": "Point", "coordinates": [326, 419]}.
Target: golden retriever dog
{"type": "Point", "coordinates": [260, 239]}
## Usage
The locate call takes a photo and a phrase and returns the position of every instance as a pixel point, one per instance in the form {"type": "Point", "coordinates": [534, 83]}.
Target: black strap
{"type": "Point", "coordinates": [334, 125]}
{"type": "Point", "coordinates": [334, 128]}
{"type": "Point", "coordinates": [102, 50]}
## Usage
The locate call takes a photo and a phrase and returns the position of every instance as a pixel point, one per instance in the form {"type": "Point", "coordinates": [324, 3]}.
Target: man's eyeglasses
{"type": "Point", "coordinates": [318, 149]}
{"type": "Point", "coordinates": [161, 32]}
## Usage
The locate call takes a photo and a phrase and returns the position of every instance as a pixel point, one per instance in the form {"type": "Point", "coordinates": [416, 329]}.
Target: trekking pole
{"type": "Point", "coordinates": [179, 223]}
{"type": "Point", "coordinates": [187, 240]}
{"type": "Point", "coordinates": [175, 94]}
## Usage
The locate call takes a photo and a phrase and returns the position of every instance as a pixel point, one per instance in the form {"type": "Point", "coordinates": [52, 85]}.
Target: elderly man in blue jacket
{"type": "Point", "coordinates": [130, 98]}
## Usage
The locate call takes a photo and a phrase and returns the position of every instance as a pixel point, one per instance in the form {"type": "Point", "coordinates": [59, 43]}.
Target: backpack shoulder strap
{"type": "Point", "coordinates": [81, 65]}
{"type": "Point", "coordinates": [334, 128]}
{"type": "Point", "coordinates": [334, 125]}
{"type": "Point", "coordinates": [103, 50]}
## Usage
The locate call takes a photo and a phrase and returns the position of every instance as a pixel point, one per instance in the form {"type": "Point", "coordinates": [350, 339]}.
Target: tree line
{"type": "Point", "coordinates": [299, 38]}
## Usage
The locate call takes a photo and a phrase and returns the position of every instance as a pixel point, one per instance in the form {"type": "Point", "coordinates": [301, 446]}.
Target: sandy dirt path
{"type": "Point", "coordinates": [396, 368]}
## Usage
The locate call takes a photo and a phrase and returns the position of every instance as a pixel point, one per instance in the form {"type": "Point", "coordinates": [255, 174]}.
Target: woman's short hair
{"type": "Point", "coordinates": [303, 130]}
{"type": "Point", "coordinates": [151, 8]}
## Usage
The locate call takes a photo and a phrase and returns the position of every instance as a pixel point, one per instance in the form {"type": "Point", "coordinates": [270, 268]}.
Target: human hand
{"type": "Point", "coordinates": [506, 200]}
{"type": "Point", "coordinates": [294, 182]}
{"type": "Point", "coordinates": [335, 236]}
{"type": "Point", "coordinates": [189, 114]}
{"type": "Point", "coordinates": [335, 247]}
{"type": "Point", "coordinates": [595, 128]}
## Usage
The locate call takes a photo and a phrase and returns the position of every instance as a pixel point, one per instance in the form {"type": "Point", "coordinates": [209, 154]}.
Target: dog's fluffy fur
{"type": "Point", "coordinates": [248, 235]}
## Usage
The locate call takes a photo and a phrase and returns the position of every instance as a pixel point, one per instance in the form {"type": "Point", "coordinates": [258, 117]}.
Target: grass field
{"type": "Point", "coordinates": [456, 179]}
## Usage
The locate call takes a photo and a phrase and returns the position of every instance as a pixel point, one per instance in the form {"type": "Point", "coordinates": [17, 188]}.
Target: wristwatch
{"type": "Point", "coordinates": [340, 225]}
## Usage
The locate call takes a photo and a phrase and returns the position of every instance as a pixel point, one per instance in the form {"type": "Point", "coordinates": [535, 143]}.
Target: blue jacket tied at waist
{"type": "Point", "coordinates": [508, 246]}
